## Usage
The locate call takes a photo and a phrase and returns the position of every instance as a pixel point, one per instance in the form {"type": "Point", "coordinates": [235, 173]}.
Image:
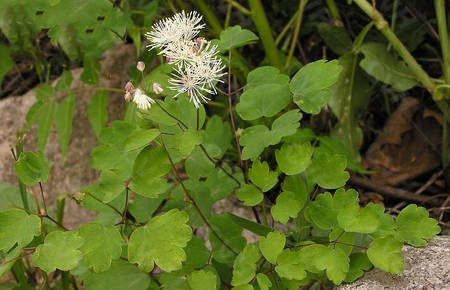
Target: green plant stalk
{"type": "Point", "coordinates": [334, 12]}
{"type": "Point", "coordinates": [210, 17]}
{"type": "Point", "coordinates": [239, 7]}
{"type": "Point", "coordinates": [265, 33]}
{"type": "Point", "coordinates": [301, 9]}
{"type": "Point", "coordinates": [443, 37]}
{"type": "Point", "coordinates": [18, 270]}
{"type": "Point", "coordinates": [65, 278]}
{"type": "Point", "coordinates": [286, 28]}
{"type": "Point", "coordinates": [383, 26]}
{"type": "Point", "coordinates": [439, 6]}
{"type": "Point", "coordinates": [22, 187]}
{"type": "Point", "coordinates": [60, 205]}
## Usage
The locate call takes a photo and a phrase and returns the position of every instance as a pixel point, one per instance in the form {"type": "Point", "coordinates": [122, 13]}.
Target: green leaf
{"type": "Point", "coordinates": [7, 62]}
{"type": "Point", "coordinates": [111, 185]}
{"type": "Point", "coordinates": [261, 175]}
{"type": "Point", "coordinates": [311, 84]}
{"type": "Point", "coordinates": [140, 138]}
{"type": "Point", "coordinates": [235, 36]}
{"type": "Point", "coordinates": [65, 81]}
{"type": "Point", "coordinates": [17, 227]}
{"type": "Point", "coordinates": [358, 220]}
{"type": "Point", "coordinates": [350, 96]}
{"type": "Point", "coordinates": [256, 138]}
{"type": "Point", "coordinates": [64, 117]}
{"type": "Point", "coordinates": [44, 92]}
{"type": "Point", "coordinates": [290, 266]}
{"type": "Point", "coordinates": [97, 113]}
{"type": "Point", "coordinates": [187, 140]}
{"type": "Point", "coordinates": [332, 145]}
{"type": "Point", "coordinates": [197, 165]}
{"type": "Point", "coordinates": [264, 99]}
{"type": "Point", "coordinates": [60, 250]}
{"type": "Point", "coordinates": [263, 281]}
{"type": "Point", "coordinates": [272, 245]}
{"type": "Point", "coordinates": [250, 195]}
{"type": "Point", "coordinates": [196, 252]}
{"type": "Point", "coordinates": [415, 227]}
{"type": "Point", "coordinates": [217, 137]}
{"type": "Point", "coordinates": [202, 280]}
{"type": "Point", "coordinates": [358, 264]}
{"type": "Point", "coordinates": [328, 170]}
{"type": "Point", "coordinates": [297, 185]}
{"type": "Point", "coordinates": [385, 67]}
{"type": "Point", "coordinates": [32, 168]}
{"type": "Point", "coordinates": [255, 228]}
{"type": "Point", "coordinates": [335, 262]}
{"type": "Point", "coordinates": [335, 37]}
{"type": "Point", "coordinates": [102, 245]}
{"type": "Point", "coordinates": [46, 115]}
{"type": "Point", "coordinates": [244, 267]}
{"type": "Point", "coordinates": [142, 208]}
{"type": "Point", "coordinates": [387, 225]}
{"type": "Point", "coordinates": [286, 206]}
{"type": "Point", "coordinates": [91, 71]}
{"type": "Point", "coordinates": [323, 211]}
{"type": "Point", "coordinates": [228, 231]}
{"type": "Point", "coordinates": [120, 276]}
{"type": "Point", "coordinates": [386, 254]}
{"type": "Point", "coordinates": [149, 186]}
{"type": "Point", "coordinates": [295, 158]}
{"type": "Point", "coordinates": [243, 287]}
{"type": "Point", "coordinates": [161, 241]}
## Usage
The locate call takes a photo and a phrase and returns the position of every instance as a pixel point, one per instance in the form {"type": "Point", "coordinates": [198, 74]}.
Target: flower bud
{"type": "Point", "coordinates": [127, 96]}
{"type": "Point", "coordinates": [140, 66]}
{"type": "Point", "coordinates": [157, 88]}
{"type": "Point", "coordinates": [128, 86]}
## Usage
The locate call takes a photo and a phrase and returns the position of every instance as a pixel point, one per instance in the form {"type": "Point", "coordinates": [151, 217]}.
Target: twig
{"type": "Point", "coordinates": [107, 204]}
{"type": "Point", "coordinates": [194, 203]}
{"type": "Point", "coordinates": [392, 191]}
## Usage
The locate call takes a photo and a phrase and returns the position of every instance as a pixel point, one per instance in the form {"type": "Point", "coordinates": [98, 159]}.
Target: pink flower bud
{"type": "Point", "coordinates": [127, 96]}
{"type": "Point", "coordinates": [128, 86]}
{"type": "Point", "coordinates": [157, 88]}
{"type": "Point", "coordinates": [140, 66]}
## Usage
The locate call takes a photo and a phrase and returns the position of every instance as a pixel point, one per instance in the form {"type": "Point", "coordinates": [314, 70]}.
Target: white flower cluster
{"type": "Point", "coordinates": [198, 68]}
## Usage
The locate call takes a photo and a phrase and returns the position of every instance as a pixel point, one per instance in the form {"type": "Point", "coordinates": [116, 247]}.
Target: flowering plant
{"type": "Point", "coordinates": [165, 170]}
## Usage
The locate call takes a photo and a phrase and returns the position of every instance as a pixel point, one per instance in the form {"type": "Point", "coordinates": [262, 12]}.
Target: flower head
{"type": "Point", "coordinates": [197, 67]}
{"type": "Point", "coordinates": [142, 101]}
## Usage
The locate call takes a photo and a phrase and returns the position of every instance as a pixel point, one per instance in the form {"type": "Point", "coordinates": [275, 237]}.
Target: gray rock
{"type": "Point", "coordinates": [425, 268]}
{"type": "Point", "coordinates": [74, 173]}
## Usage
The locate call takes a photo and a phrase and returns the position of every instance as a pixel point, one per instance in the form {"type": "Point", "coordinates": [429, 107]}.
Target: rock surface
{"type": "Point", "coordinates": [425, 268]}
{"type": "Point", "coordinates": [74, 173]}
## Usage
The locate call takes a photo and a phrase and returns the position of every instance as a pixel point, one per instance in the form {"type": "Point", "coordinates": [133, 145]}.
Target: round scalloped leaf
{"type": "Point", "coordinates": [415, 227]}
{"type": "Point", "coordinates": [386, 254]}
{"type": "Point", "coordinates": [295, 158]}
{"type": "Point", "coordinates": [202, 280]}
{"type": "Point", "coordinates": [60, 250]}
{"type": "Point", "coordinates": [272, 245]}
{"type": "Point", "coordinates": [249, 194]}
{"type": "Point", "coordinates": [161, 241]}
{"type": "Point", "coordinates": [290, 266]}
{"type": "Point", "coordinates": [286, 206]}
{"type": "Point", "coordinates": [103, 244]}
{"type": "Point", "coordinates": [261, 175]}
{"type": "Point", "coordinates": [244, 267]}
{"type": "Point", "coordinates": [263, 281]}
{"type": "Point", "coordinates": [17, 227]}
{"type": "Point", "coordinates": [233, 37]}
{"type": "Point", "coordinates": [328, 170]}
{"type": "Point", "coordinates": [32, 168]}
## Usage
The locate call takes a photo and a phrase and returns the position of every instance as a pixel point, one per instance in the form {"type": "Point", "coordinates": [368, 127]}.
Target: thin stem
{"type": "Point", "coordinates": [239, 7]}
{"type": "Point", "coordinates": [43, 198]}
{"type": "Point", "coordinates": [265, 32]}
{"type": "Point", "coordinates": [383, 27]}
{"type": "Point", "coordinates": [218, 165]}
{"type": "Point", "coordinates": [230, 108]}
{"type": "Point", "coordinates": [266, 220]}
{"type": "Point", "coordinates": [334, 12]}
{"type": "Point", "coordinates": [55, 222]}
{"type": "Point", "coordinates": [194, 203]}
{"type": "Point", "coordinates": [228, 15]}
{"type": "Point", "coordinates": [301, 9]}
{"type": "Point", "coordinates": [18, 270]}
{"type": "Point", "coordinates": [286, 28]}
{"type": "Point", "coordinates": [443, 37]}
{"type": "Point", "coordinates": [107, 204]}
{"type": "Point", "coordinates": [22, 188]}
{"type": "Point", "coordinates": [209, 15]}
